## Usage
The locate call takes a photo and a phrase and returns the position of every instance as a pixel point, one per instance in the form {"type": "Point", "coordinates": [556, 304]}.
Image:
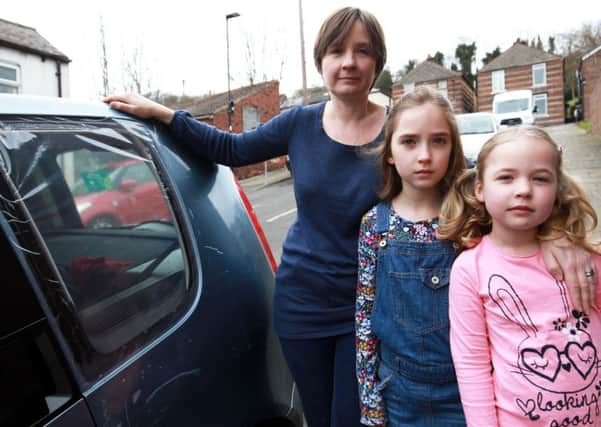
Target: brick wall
{"type": "Point", "coordinates": [517, 78]}
{"type": "Point", "coordinates": [460, 95]}
{"type": "Point", "coordinates": [595, 107]}
{"type": "Point", "coordinates": [591, 73]}
{"type": "Point", "coordinates": [267, 102]}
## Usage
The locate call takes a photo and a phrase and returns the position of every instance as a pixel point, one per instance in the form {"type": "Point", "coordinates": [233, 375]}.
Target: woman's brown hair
{"type": "Point", "coordinates": [339, 24]}
{"type": "Point", "coordinates": [391, 181]}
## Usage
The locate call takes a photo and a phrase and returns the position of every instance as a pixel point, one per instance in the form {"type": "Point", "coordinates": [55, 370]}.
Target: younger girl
{"type": "Point", "coordinates": [524, 356]}
{"type": "Point", "coordinates": [402, 327]}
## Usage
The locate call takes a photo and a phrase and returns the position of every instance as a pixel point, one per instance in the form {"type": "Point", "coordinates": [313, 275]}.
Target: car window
{"type": "Point", "coordinates": [94, 195]}
{"type": "Point", "coordinates": [35, 382]}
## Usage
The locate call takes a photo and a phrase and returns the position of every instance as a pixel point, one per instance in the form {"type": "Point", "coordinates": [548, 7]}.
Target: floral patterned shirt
{"type": "Point", "coordinates": [372, 406]}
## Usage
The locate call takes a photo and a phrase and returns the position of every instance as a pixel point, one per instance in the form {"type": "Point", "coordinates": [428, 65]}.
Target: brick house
{"type": "Point", "coordinates": [590, 87]}
{"type": "Point", "coordinates": [253, 105]}
{"type": "Point", "coordinates": [29, 64]}
{"type": "Point", "coordinates": [450, 83]}
{"type": "Point", "coordinates": [524, 67]}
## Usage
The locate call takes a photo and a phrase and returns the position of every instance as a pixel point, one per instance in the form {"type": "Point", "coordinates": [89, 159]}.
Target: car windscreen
{"type": "Point", "coordinates": [511, 106]}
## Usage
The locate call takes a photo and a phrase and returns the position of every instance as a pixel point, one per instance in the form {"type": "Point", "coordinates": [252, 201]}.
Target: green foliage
{"type": "Point", "coordinates": [585, 125]}
{"type": "Point", "coordinates": [489, 56]}
{"type": "Point", "coordinates": [438, 58]}
{"type": "Point", "coordinates": [465, 54]}
{"type": "Point", "coordinates": [551, 45]}
{"type": "Point", "coordinates": [410, 65]}
{"type": "Point", "coordinates": [384, 82]}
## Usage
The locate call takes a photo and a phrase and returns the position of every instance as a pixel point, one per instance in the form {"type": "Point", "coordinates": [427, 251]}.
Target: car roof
{"type": "Point", "coordinates": [52, 106]}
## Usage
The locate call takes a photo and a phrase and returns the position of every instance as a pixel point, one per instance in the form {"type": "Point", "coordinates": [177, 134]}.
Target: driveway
{"type": "Point", "coordinates": [582, 157]}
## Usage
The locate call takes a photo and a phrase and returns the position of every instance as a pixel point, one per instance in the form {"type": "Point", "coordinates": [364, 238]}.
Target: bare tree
{"type": "Point", "coordinates": [104, 61]}
{"type": "Point", "coordinates": [136, 72]}
{"type": "Point", "coordinates": [265, 60]}
{"type": "Point", "coordinates": [572, 46]}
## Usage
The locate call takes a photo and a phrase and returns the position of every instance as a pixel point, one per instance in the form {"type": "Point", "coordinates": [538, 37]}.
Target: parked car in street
{"type": "Point", "coordinates": [119, 193]}
{"type": "Point", "coordinates": [162, 319]}
{"type": "Point", "coordinates": [475, 129]}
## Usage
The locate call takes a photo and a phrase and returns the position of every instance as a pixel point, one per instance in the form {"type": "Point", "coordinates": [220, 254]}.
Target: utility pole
{"type": "Point", "coordinates": [302, 41]}
{"type": "Point", "coordinates": [230, 103]}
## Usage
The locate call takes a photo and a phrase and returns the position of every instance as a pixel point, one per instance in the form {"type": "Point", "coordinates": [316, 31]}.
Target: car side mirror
{"type": "Point", "coordinates": [127, 185]}
{"type": "Point", "coordinates": [535, 109]}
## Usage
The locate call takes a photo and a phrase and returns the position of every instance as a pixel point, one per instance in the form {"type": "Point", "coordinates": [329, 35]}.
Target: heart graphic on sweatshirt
{"type": "Point", "coordinates": [583, 357]}
{"type": "Point", "coordinates": [544, 363]}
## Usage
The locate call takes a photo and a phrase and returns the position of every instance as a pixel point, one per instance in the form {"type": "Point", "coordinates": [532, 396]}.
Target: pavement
{"type": "Point", "coordinates": [260, 181]}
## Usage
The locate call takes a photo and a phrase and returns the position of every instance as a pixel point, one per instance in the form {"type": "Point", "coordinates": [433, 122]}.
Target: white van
{"type": "Point", "coordinates": [515, 107]}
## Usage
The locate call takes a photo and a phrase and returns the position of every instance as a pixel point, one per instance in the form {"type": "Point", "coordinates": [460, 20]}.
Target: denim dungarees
{"type": "Point", "coordinates": [411, 320]}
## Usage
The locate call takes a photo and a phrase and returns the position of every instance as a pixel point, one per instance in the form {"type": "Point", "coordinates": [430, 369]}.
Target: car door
{"type": "Point", "coordinates": [161, 322]}
{"type": "Point", "coordinates": [36, 384]}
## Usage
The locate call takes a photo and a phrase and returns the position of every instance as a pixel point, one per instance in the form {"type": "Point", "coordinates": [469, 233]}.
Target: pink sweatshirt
{"type": "Point", "coordinates": [523, 356]}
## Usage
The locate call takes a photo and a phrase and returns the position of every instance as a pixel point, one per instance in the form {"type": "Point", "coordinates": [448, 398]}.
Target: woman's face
{"type": "Point", "coordinates": [348, 69]}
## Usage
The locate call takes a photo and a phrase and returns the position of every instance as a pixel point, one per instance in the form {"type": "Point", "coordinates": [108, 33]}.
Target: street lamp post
{"type": "Point", "coordinates": [230, 103]}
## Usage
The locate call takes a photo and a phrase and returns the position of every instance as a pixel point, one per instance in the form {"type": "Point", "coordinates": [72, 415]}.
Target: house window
{"type": "Point", "coordinates": [409, 87]}
{"type": "Point", "coordinates": [9, 78]}
{"type": "Point", "coordinates": [539, 74]}
{"type": "Point", "coordinates": [442, 88]}
{"type": "Point", "coordinates": [250, 117]}
{"type": "Point", "coordinates": [540, 103]}
{"type": "Point", "coordinates": [498, 81]}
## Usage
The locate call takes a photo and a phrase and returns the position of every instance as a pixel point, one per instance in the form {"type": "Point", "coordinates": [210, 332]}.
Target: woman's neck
{"type": "Point", "coordinates": [353, 123]}
{"type": "Point", "coordinates": [417, 205]}
{"type": "Point", "coordinates": [349, 110]}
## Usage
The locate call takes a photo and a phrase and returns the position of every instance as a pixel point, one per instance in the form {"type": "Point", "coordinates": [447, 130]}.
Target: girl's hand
{"type": "Point", "coordinates": [137, 105]}
{"type": "Point", "coordinates": [570, 263]}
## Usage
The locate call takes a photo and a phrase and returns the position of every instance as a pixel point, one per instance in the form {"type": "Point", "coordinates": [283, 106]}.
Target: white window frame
{"type": "Point", "coordinates": [498, 81]}
{"type": "Point", "coordinates": [409, 87]}
{"type": "Point", "coordinates": [15, 84]}
{"type": "Point", "coordinates": [442, 88]}
{"type": "Point", "coordinates": [545, 99]}
{"type": "Point", "coordinates": [538, 67]}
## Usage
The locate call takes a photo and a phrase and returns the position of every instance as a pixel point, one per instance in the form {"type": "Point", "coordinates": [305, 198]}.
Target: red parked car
{"type": "Point", "coordinates": [123, 192]}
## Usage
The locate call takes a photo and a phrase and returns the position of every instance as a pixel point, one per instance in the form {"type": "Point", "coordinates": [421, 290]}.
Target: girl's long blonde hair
{"type": "Point", "coordinates": [464, 220]}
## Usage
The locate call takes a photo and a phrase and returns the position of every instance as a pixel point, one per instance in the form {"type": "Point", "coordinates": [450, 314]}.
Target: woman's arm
{"type": "Point", "coordinates": [267, 141]}
{"type": "Point", "coordinates": [568, 262]}
{"type": "Point", "coordinates": [470, 347]}
{"type": "Point", "coordinates": [372, 408]}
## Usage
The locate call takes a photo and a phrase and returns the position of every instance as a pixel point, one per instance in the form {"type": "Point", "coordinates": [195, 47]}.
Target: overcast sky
{"type": "Point", "coordinates": [183, 42]}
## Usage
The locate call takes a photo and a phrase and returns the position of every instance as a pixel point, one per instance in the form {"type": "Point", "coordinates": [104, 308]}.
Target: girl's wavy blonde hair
{"type": "Point", "coordinates": [422, 95]}
{"type": "Point", "coordinates": [464, 220]}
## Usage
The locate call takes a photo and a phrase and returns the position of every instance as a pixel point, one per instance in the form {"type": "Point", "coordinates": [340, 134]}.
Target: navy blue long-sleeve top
{"type": "Point", "coordinates": [334, 185]}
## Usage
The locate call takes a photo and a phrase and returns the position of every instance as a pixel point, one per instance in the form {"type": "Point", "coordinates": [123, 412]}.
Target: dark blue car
{"type": "Point", "coordinates": [151, 322]}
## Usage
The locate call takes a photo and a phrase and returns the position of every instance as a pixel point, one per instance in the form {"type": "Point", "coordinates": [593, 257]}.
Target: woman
{"type": "Point", "coordinates": [335, 183]}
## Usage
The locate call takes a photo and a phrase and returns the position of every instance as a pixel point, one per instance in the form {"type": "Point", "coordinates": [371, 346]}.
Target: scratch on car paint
{"type": "Point", "coordinates": [23, 249]}
{"type": "Point", "coordinates": [214, 249]}
{"type": "Point", "coordinates": [166, 383]}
